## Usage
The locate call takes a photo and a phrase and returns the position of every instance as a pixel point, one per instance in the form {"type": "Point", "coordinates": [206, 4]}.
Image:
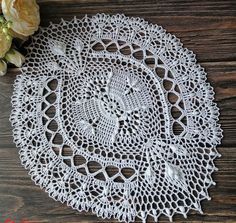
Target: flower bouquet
{"type": "Point", "coordinates": [19, 19]}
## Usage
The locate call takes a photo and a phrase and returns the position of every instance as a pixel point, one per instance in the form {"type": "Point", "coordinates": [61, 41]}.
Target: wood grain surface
{"type": "Point", "coordinates": [206, 27]}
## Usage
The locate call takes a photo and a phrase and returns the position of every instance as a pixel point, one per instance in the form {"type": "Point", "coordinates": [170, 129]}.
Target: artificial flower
{"type": "Point", "coordinates": [3, 67]}
{"type": "Point", "coordinates": [5, 39]}
{"type": "Point", "coordinates": [24, 15]}
{"type": "Point", "coordinates": [14, 57]}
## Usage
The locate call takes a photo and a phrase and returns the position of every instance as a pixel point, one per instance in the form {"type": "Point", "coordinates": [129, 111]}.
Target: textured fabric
{"type": "Point", "coordinates": [113, 115]}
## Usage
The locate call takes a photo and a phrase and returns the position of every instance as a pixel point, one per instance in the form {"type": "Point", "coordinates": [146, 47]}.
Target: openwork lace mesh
{"type": "Point", "coordinates": [113, 115]}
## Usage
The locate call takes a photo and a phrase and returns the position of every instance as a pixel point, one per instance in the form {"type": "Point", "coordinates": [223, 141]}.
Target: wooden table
{"type": "Point", "coordinates": [206, 27]}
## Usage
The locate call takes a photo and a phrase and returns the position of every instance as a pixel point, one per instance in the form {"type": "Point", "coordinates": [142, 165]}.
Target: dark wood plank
{"type": "Point", "coordinates": [206, 27]}
{"type": "Point", "coordinates": [212, 38]}
{"type": "Point", "coordinates": [142, 8]}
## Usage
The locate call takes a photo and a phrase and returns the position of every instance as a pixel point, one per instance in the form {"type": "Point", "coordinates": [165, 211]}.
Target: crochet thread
{"type": "Point", "coordinates": [112, 115]}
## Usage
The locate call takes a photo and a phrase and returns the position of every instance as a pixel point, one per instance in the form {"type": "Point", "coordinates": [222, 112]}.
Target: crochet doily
{"type": "Point", "coordinates": [112, 115]}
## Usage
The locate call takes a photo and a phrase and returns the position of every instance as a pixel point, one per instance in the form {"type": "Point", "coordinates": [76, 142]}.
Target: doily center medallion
{"type": "Point", "coordinates": [113, 115]}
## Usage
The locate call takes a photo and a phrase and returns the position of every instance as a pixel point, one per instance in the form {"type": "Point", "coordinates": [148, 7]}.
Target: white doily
{"type": "Point", "coordinates": [112, 115]}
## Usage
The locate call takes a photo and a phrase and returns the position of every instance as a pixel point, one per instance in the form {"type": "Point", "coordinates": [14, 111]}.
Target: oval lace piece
{"type": "Point", "coordinates": [113, 115]}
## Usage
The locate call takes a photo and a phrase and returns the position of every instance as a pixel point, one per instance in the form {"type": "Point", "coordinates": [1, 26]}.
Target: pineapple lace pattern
{"type": "Point", "coordinates": [112, 115]}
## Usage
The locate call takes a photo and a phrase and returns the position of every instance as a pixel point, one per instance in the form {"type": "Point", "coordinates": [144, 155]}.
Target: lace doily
{"type": "Point", "coordinates": [112, 115]}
